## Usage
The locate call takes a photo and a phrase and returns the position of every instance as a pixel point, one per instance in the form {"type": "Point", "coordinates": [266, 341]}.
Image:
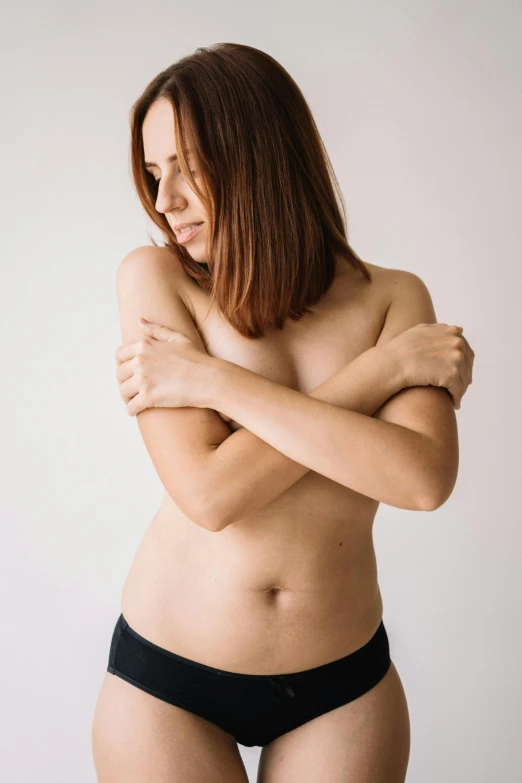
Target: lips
{"type": "Point", "coordinates": [183, 226]}
{"type": "Point", "coordinates": [186, 236]}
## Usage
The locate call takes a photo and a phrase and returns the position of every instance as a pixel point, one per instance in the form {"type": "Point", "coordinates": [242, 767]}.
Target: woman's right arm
{"type": "Point", "coordinates": [216, 483]}
{"type": "Point", "coordinates": [260, 472]}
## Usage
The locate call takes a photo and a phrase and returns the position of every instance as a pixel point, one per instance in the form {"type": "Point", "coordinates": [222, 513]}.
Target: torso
{"type": "Point", "coordinates": [295, 585]}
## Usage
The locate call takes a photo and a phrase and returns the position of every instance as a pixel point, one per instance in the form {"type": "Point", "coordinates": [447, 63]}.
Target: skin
{"type": "Point", "coordinates": [291, 584]}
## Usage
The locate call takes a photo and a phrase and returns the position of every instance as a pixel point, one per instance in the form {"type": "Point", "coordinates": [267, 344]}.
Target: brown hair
{"type": "Point", "coordinates": [275, 226]}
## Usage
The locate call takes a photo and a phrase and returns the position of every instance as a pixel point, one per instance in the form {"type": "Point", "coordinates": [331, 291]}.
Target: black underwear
{"type": "Point", "coordinates": [254, 708]}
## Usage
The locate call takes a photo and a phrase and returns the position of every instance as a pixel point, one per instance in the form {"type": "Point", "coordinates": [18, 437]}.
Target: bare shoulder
{"type": "Point", "coordinates": [148, 262]}
{"type": "Point", "coordinates": [149, 256]}
{"type": "Point", "coordinates": [393, 282]}
{"type": "Point", "coordinates": [406, 299]}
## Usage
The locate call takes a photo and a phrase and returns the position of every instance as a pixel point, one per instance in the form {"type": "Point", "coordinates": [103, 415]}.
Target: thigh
{"type": "Point", "coordinates": [138, 738]}
{"type": "Point", "coordinates": [366, 740]}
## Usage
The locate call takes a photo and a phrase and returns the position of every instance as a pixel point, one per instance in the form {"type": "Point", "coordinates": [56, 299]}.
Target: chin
{"type": "Point", "coordinates": [198, 257]}
{"type": "Point", "coordinates": [199, 253]}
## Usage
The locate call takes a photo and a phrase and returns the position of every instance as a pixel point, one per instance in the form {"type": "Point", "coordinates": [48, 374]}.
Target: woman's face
{"type": "Point", "coordinates": [176, 200]}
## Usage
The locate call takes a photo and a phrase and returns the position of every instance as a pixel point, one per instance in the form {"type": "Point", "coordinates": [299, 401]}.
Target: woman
{"type": "Point", "coordinates": [283, 389]}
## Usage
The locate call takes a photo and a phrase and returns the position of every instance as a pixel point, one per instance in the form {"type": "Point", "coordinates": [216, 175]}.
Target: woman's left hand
{"type": "Point", "coordinates": [165, 369]}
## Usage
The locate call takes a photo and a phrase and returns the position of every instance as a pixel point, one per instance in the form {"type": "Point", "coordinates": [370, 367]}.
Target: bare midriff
{"type": "Point", "coordinates": [295, 585]}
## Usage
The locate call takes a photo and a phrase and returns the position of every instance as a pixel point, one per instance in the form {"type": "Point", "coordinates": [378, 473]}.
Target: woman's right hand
{"type": "Point", "coordinates": [434, 355]}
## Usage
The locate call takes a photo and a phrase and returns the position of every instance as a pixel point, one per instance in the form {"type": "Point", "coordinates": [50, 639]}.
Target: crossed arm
{"type": "Point", "coordinates": [359, 428]}
{"type": "Point", "coordinates": [272, 468]}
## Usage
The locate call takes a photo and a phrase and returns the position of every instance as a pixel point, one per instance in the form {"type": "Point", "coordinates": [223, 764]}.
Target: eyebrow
{"type": "Point", "coordinates": [170, 159]}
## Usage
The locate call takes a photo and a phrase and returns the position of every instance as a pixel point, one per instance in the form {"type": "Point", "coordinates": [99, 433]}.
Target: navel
{"type": "Point", "coordinates": [274, 590]}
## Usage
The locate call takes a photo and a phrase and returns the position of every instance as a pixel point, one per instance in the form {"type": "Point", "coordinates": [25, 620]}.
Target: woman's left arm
{"type": "Point", "coordinates": [409, 448]}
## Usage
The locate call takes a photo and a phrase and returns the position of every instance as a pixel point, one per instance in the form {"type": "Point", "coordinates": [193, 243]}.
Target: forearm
{"type": "Point", "coordinates": [261, 473]}
{"type": "Point", "coordinates": [381, 460]}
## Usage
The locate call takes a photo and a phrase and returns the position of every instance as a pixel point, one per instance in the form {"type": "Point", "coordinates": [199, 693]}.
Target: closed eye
{"type": "Point", "coordinates": [195, 173]}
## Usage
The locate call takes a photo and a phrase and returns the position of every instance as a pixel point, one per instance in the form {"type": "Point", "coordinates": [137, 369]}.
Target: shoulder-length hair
{"type": "Point", "coordinates": [268, 186]}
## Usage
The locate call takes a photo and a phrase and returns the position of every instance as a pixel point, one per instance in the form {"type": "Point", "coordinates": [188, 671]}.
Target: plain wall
{"type": "Point", "coordinates": [419, 107]}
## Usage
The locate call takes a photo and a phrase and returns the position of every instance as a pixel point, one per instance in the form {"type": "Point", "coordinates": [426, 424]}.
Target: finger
{"type": "Point", "coordinates": [136, 405]}
{"type": "Point", "coordinates": [124, 371]}
{"type": "Point", "coordinates": [456, 387]}
{"type": "Point", "coordinates": [128, 389]}
{"type": "Point", "coordinates": [456, 396]}
{"type": "Point", "coordinates": [125, 352]}
{"type": "Point", "coordinates": [472, 361]}
{"type": "Point", "coordinates": [158, 331]}
{"type": "Point", "coordinates": [462, 386]}
{"type": "Point", "coordinates": [469, 366]}
{"type": "Point", "coordinates": [465, 370]}
{"type": "Point", "coordinates": [468, 358]}
{"type": "Point", "coordinates": [456, 399]}
{"type": "Point", "coordinates": [153, 330]}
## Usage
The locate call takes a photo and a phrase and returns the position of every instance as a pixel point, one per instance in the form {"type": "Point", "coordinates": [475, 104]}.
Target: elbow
{"type": "Point", "coordinates": [198, 513]}
{"type": "Point", "coordinates": [210, 519]}
{"type": "Point", "coordinates": [436, 476]}
{"type": "Point", "coordinates": [215, 520]}
{"type": "Point", "coordinates": [212, 523]}
{"type": "Point", "coordinates": [436, 489]}
{"type": "Point", "coordinates": [211, 510]}
{"type": "Point", "coordinates": [214, 512]}
{"type": "Point", "coordinates": [429, 503]}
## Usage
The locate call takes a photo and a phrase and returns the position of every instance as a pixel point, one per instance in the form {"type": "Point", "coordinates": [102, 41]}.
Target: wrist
{"type": "Point", "coordinates": [214, 374]}
{"type": "Point", "coordinates": [392, 366]}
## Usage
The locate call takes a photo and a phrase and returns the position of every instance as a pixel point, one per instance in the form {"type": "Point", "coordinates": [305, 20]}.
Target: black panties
{"type": "Point", "coordinates": [254, 708]}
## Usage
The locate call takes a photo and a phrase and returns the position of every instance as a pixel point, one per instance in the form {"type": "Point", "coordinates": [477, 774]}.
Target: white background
{"type": "Point", "coordinates": [419, 107]}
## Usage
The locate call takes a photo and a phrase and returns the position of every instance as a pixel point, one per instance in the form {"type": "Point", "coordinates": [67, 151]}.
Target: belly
{"type": "Point", "coordinates": [288, 589]}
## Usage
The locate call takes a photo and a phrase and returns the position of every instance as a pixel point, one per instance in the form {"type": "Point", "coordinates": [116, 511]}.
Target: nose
{"type": "Point", "coordinates": [169, 198]}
